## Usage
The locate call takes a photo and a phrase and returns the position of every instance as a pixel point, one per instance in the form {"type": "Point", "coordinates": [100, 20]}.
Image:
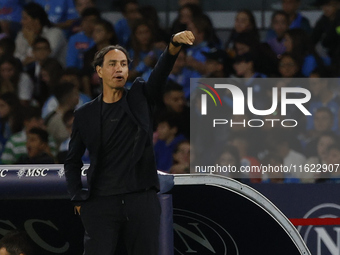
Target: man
{"type": "Point", "coordinates": [116, 128]}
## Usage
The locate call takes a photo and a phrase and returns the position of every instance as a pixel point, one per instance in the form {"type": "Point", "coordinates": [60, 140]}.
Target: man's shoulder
{"type": "Point", "coordinates": [85, 108]}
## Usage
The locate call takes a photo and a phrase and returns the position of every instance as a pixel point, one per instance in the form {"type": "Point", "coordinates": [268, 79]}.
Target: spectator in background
{"type": "Point", "coordinates": [168, 138]}
{"type": "Point", "coordinates": [265, 59]}
{"type": "Point", "coordinates": [230, 157]}
{"type": "Point", "coordinates": [244, 24]}
{"type": "Point", "coordinates": [201, 28]}
{"type": "Point", "coordinates": [38, 151]}
{"type": "Point", "coordinates": [12, 79]}
{"type": "Point", "coordinates": [142, 51]}
{"type": "Point", "coordinates": [322, 96]}
{"type": "Point", "coordinates": [333, 160]}
{"type": "Point", "coordinates": [174, 103]}
{"type": "Point", "coordinates": [289, 66]}
{"type": "Point", "coordinates": [218, 64]}
{"type": "Point", "coordinates": [181, 158]}
{"type": "Point", "coordinates": [324, 141]}
{"type": "Point", "coordinates": [323, 122]}
{"type": "Point", "coordinates": [186, 14]}
{"type": "Point", "coordinates": [82, 41]}
{"type": "Point", "coordinates": [279, 24]}
{"type": "Point", "coordinates": [7, 46]}
{"type": "Point", "coordinates": [16, 243]}
{"type": "Point", "coordinates": [123, 27]}
{"type": "Point", "coordinates": [181, 74]}
{"type": "Point", "coordinates": [10, 16]}
{"type": "Point", "coordinates": [16, 145]}
{"type": "Point", "coordinates": [325, 30]}
{"type": "Point", "coordinates": [296, 20]}
{"type": "Point", "coordinates": [161, 37]}
{"type": "Point", "coordinates": [80, 6]}
{"type": "Point", "coordinates": [68, 97]}
{"type": "Point", "coordinates": [70, 75]}
{"type": "Point", "coordinates": [50, 73]}
{"type": "Point", "coordinates": [274, 160]}
{"type": "Point", "coordinates": [10, 117]}
{"type": "Point", "coordinates": [242, 144]}
{"type": "Point", "coordinates": [297, 43]}
{"type": "Point", "coordinates": [279, 141]}
{"type": "Point", "coordinates": [35, 23]}
{"type": "Point", "coordinates": [61, 13]}
{"type": "Point", "coordinates": [103, 35]}
{"type": "Point", "coordinates": [41, 52]}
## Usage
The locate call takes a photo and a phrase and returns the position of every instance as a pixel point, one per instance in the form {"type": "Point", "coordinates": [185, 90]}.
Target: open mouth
{"type": "Point", "coordinates": [119, 78]}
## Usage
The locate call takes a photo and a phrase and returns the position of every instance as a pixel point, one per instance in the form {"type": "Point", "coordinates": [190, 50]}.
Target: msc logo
{"type": "Point", "coordinates": [32, 172]}
{"type": "Point", "coordinates": [322, 240]}
{"type": "Point", "coordinates": [197, 234]}
{"type": "Point", "coordinates": [239, 99]}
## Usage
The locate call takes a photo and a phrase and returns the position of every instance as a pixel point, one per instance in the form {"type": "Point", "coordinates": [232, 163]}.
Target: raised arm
{"type": "Point", "coordinates": [160, 73]}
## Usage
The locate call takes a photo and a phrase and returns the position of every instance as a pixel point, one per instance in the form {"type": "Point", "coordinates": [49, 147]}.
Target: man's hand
{"type": "Point", "coordinates": [184, 37]}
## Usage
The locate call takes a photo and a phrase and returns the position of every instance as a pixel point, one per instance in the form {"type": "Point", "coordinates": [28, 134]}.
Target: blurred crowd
{"type": "Point", "coordinates": [46, 54]}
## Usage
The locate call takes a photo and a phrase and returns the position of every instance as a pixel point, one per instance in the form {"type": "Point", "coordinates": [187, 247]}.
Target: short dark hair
{"type": "Point", "coordinates": [280, 12]}
{"type": "Point", "coordinates": [41, 39]}
{"type": "Point", "coordinates": [168, 117]}
{"type": "Point", "coordinates": [62, 90]}
{"type": "Point", "coordinates": [172, 86]}
{"type": "Point", "coordinates": [326, 110]}
{"type": "Point", "coordinates": [41, 133]}
{"type": "Point", "coordinates": [36, 11]}
{"type": "Point", "coordinates": [99, 57]}
{"type": "Point", "coordinates": [16, 242]}
{"type": "Point", "coordinates": [31, 112]}
{"type": "Point", "coordinates": [8, 45]}
{"type": "Point", "coordinates": [125, 3]}
{"type": "Point", "coordinates": [90, 11]}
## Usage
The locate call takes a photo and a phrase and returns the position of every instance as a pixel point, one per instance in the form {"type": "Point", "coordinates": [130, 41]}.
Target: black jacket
{"type": "Point", "coordinates": [139, 103]}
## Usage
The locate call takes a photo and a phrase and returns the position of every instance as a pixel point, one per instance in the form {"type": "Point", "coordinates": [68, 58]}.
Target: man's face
{"type": "Point", "coordinates": [329, 9]}
{"type": "Point", "coordinates": [132, 12]}
{"type": "Point", "coordinates": [288, 67]}
{"type": "Point", "coordinates": [114, 71]}
{"type": "Point", "coordinates": [333, 157]}
{"type": "Point", "coordinates": [175, 100]}
{"type": "Point", "coordinates": [34, 145]}
{"type": "Point", "coordinates": [88, 24]}
{"type": "Point", "coordinates": [41, 51]}
{"type": "Point", "coordinates": [213, 66]}
{"type": "Point", "coordinates": [280, 25]}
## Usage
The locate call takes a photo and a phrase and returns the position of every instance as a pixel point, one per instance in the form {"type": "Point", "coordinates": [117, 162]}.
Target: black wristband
{"type": "Point", "coordinates": [176, 44]}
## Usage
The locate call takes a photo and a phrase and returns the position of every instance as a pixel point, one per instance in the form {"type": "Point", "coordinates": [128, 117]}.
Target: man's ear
{"type": "Point", "coordinates": [99, 71]}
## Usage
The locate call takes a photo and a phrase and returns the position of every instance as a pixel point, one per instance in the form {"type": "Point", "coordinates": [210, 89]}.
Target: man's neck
{"type": "Point", "coordinates": [112, 95]}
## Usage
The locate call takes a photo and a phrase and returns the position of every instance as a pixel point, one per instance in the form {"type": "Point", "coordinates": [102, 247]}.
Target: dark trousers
{"type": "Point", "coordinates": [133, 218]}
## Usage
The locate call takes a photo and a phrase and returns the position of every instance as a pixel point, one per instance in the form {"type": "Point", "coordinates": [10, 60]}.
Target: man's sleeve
{"type": "Point", "coordinates": [73, 162]}
{"type": "Point", "coordinates": [155, 85]}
